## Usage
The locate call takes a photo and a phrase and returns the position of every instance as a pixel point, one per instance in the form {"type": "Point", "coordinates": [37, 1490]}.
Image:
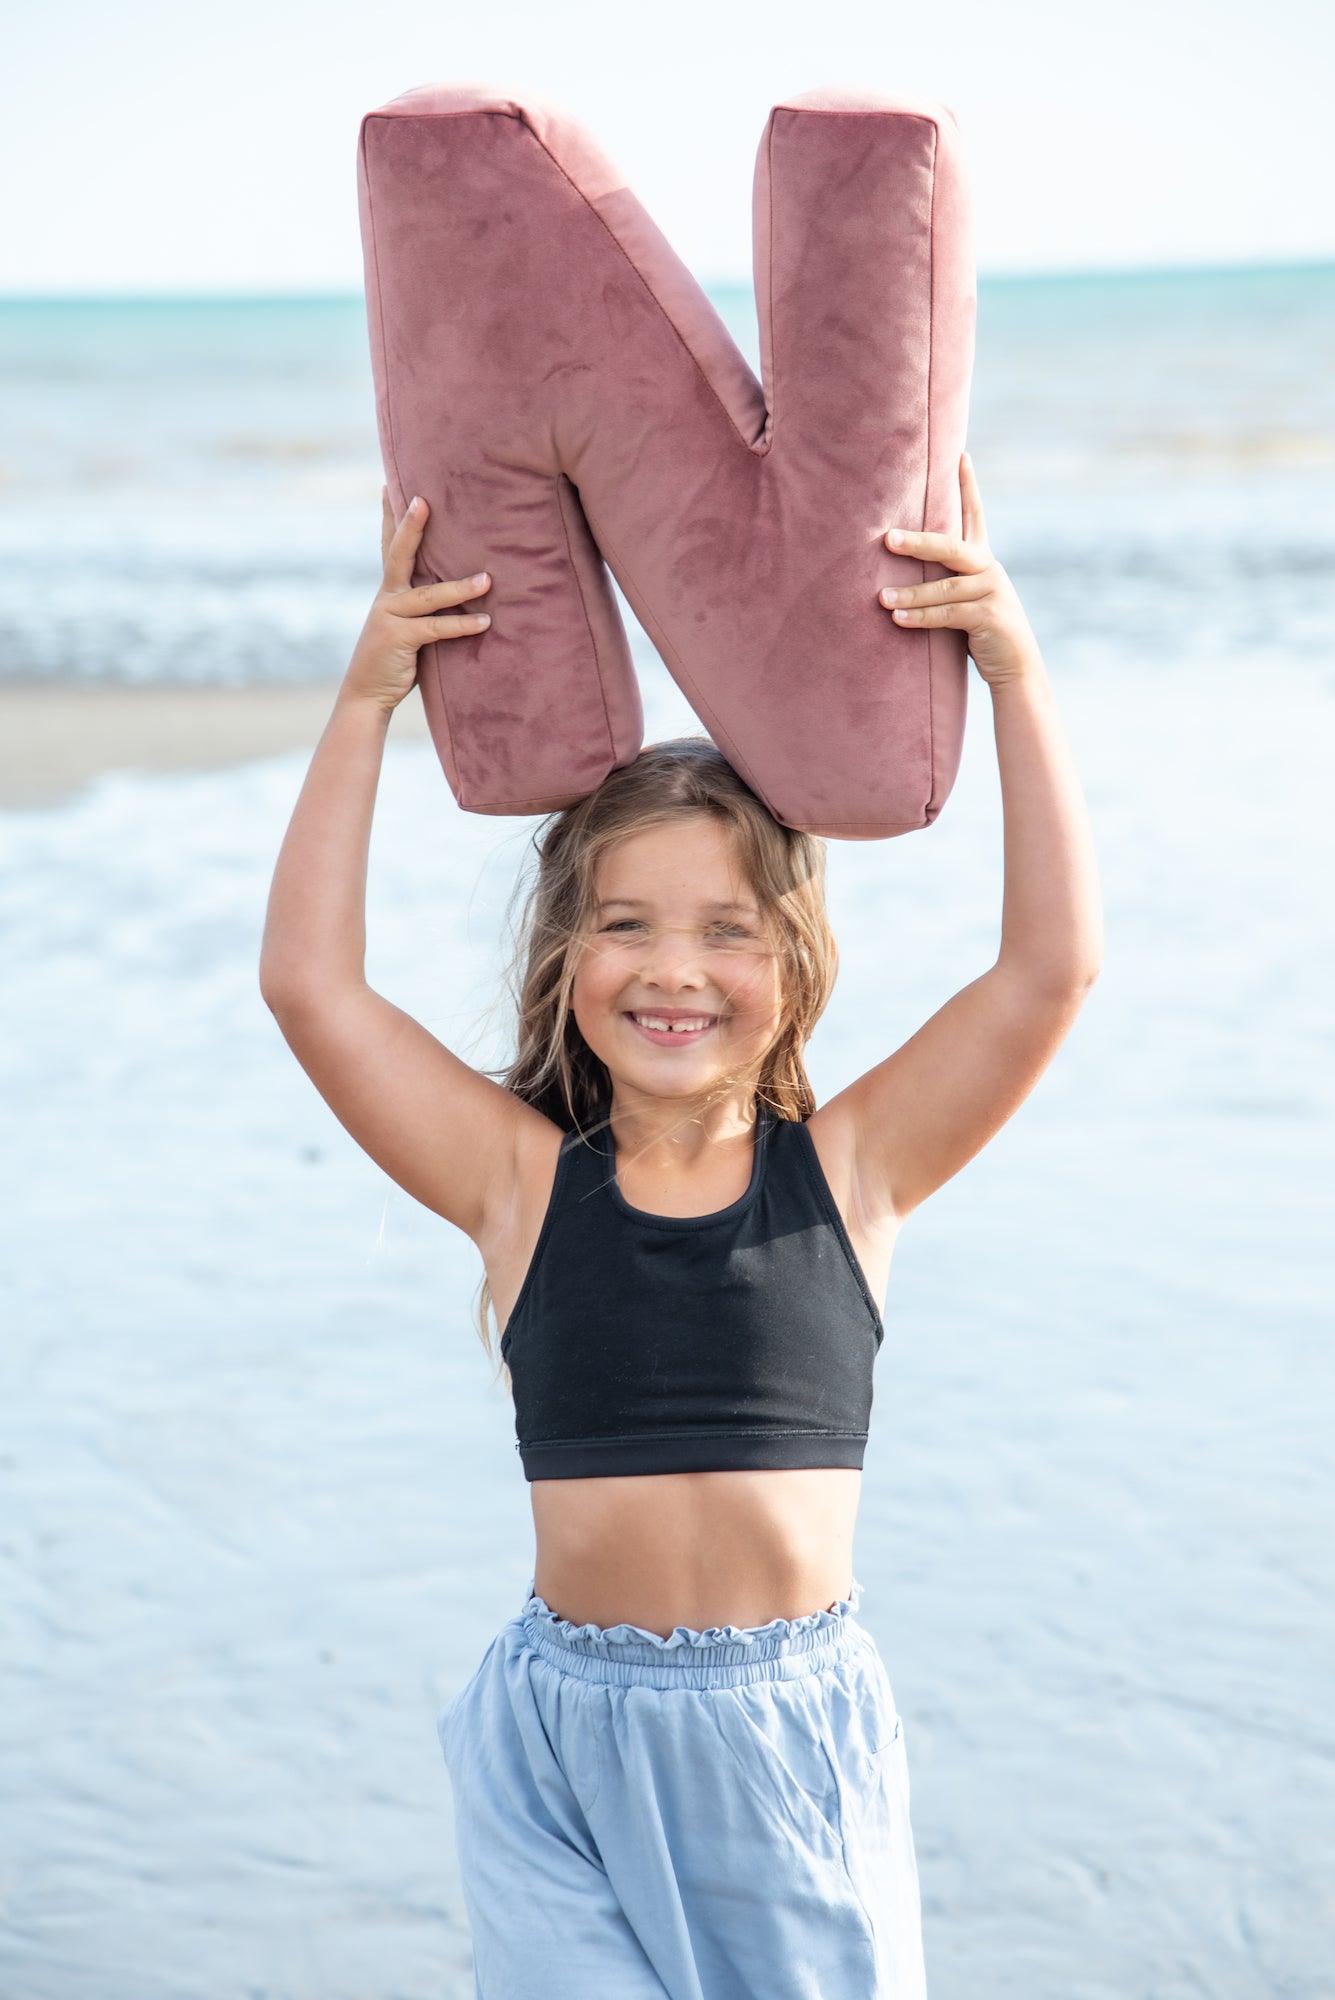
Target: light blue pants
{"type": "Point", "coordinates": [715, 1815]}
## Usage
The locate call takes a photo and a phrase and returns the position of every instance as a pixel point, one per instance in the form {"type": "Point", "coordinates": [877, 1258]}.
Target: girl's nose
{"type": "Point", "coordinates": [670, 953]}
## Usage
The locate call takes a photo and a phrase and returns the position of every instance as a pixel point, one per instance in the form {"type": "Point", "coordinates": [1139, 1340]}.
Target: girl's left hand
{"type": "Point", "coordinates": [980, 600]}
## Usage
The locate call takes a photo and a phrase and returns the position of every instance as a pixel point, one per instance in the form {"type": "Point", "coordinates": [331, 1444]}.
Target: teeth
{"type": "Point", "coordinates": [673, 1027]}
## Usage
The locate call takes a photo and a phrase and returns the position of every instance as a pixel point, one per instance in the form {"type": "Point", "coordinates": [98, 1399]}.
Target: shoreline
{"type": "Point", "coordinates": [55, 737]}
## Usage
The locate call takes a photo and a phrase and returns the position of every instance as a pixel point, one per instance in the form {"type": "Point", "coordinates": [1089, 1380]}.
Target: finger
{"type": "Point", "coordinates": [427, 597]}
{"type": "Point", "coordinates": [402, 554]}
{"type": "Point", "coordinates": [965, 614]}
{"type": "Point", "coordinates": [943, 590]}
{"type": "Point", "coordinates": [425, 631]}
{"type": "Point", "coordinates": [975, 528]}
{"type": "Point", "coordinates": [386, 525]}
{"type": "Point", "coordinates": [947, 549]}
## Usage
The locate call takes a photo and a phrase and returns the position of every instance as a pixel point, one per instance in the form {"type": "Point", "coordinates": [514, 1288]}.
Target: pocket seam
{"type": "Point", "coordinates": [778, 1798]}
{"type": "Point", "coordinates": [888, 1742]}
{"type": "Point", "coordinates": [588, 1805]}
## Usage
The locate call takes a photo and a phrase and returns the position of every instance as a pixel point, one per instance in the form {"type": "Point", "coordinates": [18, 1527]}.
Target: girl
{"type": "Point", "coordinates": [679, 1769]}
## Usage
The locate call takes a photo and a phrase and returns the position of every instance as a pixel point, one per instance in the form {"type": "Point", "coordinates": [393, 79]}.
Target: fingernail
{"type": "Point", "coordinates": [482, 618]}
{"type": "Point", "coordinates": [889, 596]}
{"type": "Point", "coordinates": [413, 504]}
{"type": "Point", "coordinates": [896, 534]}
{"type": "Point", "coordinates": [479, 579]}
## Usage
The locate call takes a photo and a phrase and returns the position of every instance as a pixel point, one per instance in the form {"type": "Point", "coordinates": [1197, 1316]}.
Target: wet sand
{"type": "Point", "coordinates": [54, 739]}
{"type": "Point", "coordinates": [263, 1513]}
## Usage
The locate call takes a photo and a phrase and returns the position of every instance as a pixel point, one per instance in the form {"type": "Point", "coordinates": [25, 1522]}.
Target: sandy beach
{"type": "Point", "coordinates": [266, 1512]}
{"type": "Point", "coordinates": [53, 739]}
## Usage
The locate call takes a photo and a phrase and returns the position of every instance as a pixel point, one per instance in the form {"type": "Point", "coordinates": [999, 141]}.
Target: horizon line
{"type": "Point", "coordinates": [1045, 274]}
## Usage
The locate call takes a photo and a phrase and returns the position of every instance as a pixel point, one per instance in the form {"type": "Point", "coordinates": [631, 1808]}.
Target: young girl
{"type": "Point", "coordinates": [679, 1769]}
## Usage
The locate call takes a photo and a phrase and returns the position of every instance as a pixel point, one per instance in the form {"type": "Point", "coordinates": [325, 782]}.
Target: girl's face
{"type": "Point", "coordinates": [676, 926]}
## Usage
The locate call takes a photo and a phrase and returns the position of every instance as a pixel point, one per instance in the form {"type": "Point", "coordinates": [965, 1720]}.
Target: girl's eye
{"type": "Point", "coordinates": [737, 930]}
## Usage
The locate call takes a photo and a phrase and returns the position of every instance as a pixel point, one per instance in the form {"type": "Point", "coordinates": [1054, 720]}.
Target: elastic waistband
{"type": "Point", "coordinates": [719, 1656]}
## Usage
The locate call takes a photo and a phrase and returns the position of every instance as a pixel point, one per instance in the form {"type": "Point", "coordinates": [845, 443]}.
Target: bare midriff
{"type": "Point", "coordinates": [695, 1548]}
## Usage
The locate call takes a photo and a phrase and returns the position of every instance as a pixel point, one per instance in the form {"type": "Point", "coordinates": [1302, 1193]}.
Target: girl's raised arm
{"type": "Point", "coordinates": [920, 1115]}
{"type": "Point", "coordinates": [440, 1129]}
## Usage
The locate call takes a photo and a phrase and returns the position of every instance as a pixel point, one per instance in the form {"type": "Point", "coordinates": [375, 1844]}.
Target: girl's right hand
{"type": "Point", "coordinates": [383, 667]}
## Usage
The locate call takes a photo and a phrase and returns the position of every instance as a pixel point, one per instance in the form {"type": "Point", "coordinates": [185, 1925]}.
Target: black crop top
{"type": "Point", "coordinates": [666, 1343]}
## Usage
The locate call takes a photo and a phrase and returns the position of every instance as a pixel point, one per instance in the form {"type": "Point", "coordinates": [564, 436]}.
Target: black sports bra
{"type": "Point", "coordinates": [692, 1343]}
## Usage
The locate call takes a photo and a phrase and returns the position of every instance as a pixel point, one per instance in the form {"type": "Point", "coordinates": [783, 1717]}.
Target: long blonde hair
{"type": "Point", "coordinates": [554, 1069]}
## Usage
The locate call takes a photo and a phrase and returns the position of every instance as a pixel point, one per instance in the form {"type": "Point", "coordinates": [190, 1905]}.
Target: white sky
{"type": "Point", "coordinates": [163, 145]}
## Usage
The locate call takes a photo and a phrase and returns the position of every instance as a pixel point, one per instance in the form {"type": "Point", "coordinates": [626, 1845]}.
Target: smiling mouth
{"type": "Point", "coordinates": [667, 1036]}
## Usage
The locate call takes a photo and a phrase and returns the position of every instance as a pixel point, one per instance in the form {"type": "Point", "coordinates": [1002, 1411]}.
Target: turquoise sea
{"type": "Point", "coordinates": [189, 488]}
{"type": "Point", "coordinates": [260, 1511]}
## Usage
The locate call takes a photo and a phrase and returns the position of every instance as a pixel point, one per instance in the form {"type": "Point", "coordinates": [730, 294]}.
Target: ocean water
{"type": "Point", "coordinates": [189, 490]}
{"type": "Point", "coordinates": [261, 1507]}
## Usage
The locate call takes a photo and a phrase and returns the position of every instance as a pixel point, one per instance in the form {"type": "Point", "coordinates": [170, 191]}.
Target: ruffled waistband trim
{"type": "Point", "coordinates": [804, 1640]}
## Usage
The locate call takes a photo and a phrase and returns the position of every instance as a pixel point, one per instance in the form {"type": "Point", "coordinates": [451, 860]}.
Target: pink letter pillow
{"type": "Point", "coordinates": [553, 381]}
